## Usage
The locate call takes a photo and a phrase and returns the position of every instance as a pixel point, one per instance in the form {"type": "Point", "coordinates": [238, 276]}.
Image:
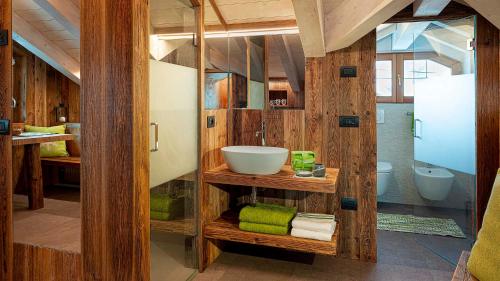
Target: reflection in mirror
{"type": "Point", "coordinates": [236, 71]}
{"type": "Point", "coordinates": [286, 72]}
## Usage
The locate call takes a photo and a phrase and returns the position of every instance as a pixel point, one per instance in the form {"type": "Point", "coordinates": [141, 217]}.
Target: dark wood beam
{"type": "Point", "coordinates": [115, 140]}
{"type": "Point", "coordinates": [6, 242]}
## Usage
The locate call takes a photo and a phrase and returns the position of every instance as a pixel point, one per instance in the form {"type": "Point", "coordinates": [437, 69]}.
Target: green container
{"type": "Point", "coordinates": [303, 160]}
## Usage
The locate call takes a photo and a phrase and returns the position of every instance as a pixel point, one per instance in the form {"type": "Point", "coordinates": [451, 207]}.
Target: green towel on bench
{"type": "Point", "coordinates": [263, 228]}
{"type": "Point", "coordinates": [166, 207]}
{"type": "Point", "coordinates": [268, 214]}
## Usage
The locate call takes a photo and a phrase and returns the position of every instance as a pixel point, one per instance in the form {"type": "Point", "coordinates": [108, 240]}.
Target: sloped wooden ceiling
{"type": "Point", "coordinates": [47, 28]}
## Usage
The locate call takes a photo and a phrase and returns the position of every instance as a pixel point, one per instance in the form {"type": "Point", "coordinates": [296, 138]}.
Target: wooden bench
{"type": "Point", "coordinates": [68, 161]}
{"type": "Point", "coordinates": [461, 273]}
{"type": "Point", "coordinates": [52, 164]}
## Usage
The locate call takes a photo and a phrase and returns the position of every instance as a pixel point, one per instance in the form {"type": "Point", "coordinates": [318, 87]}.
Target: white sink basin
{"type": "Point", "coordinates": [255, 160]}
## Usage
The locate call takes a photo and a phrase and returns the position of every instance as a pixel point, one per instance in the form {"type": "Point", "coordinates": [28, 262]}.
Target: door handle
{"type": "Point", "coordinates": [157, 146]}
{"type": "Point", "coordinates": [415, 129]}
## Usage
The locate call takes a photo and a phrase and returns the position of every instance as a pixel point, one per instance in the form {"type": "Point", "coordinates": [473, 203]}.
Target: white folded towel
{"type": "Point", "coordinates": [316, 235]}
{"type": "Point", "coordinates": [314, 222]}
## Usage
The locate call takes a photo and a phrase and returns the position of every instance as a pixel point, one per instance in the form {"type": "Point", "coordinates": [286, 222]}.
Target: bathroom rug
{"type": "Point", "coordinates": [420, 225]}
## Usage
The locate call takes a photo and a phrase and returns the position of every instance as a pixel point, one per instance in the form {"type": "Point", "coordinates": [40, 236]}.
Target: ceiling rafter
{"type": "Point", "coordinates": [426, 8]}
{"type": "Point", "coordinates": [218, 13]}
{"type": "Point", "coordinates": [353, 19]}
{"type": "Point", "coordinates": [309, 14]}
{"type": "Point", "coordinates": [35, 42]}
{"type": "Point", "coordinates": [288, 62]}
{"type": "Point", "coordinates": [64, 12]}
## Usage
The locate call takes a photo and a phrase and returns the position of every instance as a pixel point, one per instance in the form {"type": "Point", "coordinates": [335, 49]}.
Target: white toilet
{"type": "Point", "coordinates": [384, 172]}
{"type": "Point", "coordinates": [433, 183]}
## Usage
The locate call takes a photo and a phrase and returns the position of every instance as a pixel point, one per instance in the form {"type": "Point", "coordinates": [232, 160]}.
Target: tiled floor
{"type": "Point", "coordinates": [448, 248]}
{"type": "Point", "coordinates": [400, 257]}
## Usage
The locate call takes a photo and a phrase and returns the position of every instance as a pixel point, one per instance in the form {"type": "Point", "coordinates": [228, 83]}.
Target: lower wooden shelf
{"type": "Point", "coordinates": [180, 226]}
{"type": "Point", "coordinates": [226, 228]}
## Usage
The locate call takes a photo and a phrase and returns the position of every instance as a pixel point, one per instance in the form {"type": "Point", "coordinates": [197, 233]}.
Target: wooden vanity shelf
{"type": "Point", "coordinates": [285, 179]}
{"type": "Point", "coordinates": [226, 228]}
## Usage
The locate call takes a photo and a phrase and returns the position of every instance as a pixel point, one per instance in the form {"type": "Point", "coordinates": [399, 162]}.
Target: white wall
{"type": "Point", "coordinates": [173, 104]}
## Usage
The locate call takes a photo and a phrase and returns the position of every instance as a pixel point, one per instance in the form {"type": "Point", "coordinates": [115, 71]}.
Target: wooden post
{"type": "Point", "coordinates": [115, 130]}
{"type": "Point", "coordinates": [6, 243]}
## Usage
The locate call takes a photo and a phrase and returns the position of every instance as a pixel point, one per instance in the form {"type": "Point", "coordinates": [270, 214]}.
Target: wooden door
{"type": "Point", "coordinates": [6, 244]}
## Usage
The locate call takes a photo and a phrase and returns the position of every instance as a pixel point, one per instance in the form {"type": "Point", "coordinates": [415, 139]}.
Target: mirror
{"type": "Point", "coordinates": [237, 70]}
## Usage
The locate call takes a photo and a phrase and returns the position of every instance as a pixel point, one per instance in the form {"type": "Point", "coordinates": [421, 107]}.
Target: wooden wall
{"type": "Point", "coordinates": [353, 150]}
{"type": "Point", "coordinates": [6, 248]}
{"type": "Point", "coordinates": [243, 124]}
{"type": "Point", "coordinates": [34, 263]}
{"type": "Point", "coordinates": [115, 140]}
{"type": "Point", "coordinates": [39, 89]}
{"type": "Point", "coordinates": [213, 201]}
{"type": "Point", "coordinates": [488, 112]}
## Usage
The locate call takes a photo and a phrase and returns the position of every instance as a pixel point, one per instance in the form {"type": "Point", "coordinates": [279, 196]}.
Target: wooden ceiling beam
{"type": "Point", "coordinates": [195, 3]}
{"type": "Point", "coordinates": [353, 19]}
{"type": "Point", "coordinates": [65, 12]}
{"type": "Point", "coordinates": [231, 27]}
{"type": "Point", "coordinates": [488, 9]}
{"type": "Point", "coordinates": [288, 62]}
{"type": "Point", "coordinates": [426, 8]}
{"type": "Point", "coordinates": [309, 14]}
{"type": "Point", "coordinates": [34, 41]}
{"type": "Point", "coordinates": [253, 25]}
{"type": "Point", "coordinates": [218, 13]}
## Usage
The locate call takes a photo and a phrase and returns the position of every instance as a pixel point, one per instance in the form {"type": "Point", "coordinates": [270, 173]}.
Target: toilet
{"type": "Point", "coordinates": [433, 183]}
{"type": "Point", "coordinates": [384, 172]}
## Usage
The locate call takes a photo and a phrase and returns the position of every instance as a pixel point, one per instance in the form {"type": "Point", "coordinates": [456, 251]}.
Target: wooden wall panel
{"type": "Point", "coordinates": [243, 126]}
{"type": "Point", "coordinates": [42, 89]}
{"type": "Point", "coordinates": [488, 112]}
{"type": "Point", "coordinates": [34, 263]}
{"type": "Point", "coordinates": [6, 248]}
{"type": "Point", "coordinates": [115, 170]}
{"type": "Point", "coordinates": [213, 201]}
{"type": "Point", "coordinates": [353, 150]}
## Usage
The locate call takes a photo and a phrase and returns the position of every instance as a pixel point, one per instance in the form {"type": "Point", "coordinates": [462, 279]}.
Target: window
{"type": "Point", "coordinates": [396, 75]}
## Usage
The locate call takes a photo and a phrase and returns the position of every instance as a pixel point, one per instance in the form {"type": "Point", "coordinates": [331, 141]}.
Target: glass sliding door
{"type": "Point", "coordinates": [440, 78]}
{"type": "Point", "coordinates": [173, 140]}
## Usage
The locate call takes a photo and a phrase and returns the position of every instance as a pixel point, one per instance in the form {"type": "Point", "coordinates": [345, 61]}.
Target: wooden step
{"type": "Point", "coordinates": [285, 179]}
{"type": "Point", "coordinates": [226, 228]}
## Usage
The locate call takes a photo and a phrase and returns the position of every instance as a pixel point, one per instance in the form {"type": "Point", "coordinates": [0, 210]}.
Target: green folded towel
{"type": "Point", "coordinates": [274, 215]}
{"type": "Point", "coordinates": [263, 228]}
{"type": "Point", "coordinates": [166, 207]}
{"type": "Point", "coordinates": [163, 202]}
{"type": "Point", "coordinates": [161, 216]}
{"type": "Point", "coordinates": [303, 160]}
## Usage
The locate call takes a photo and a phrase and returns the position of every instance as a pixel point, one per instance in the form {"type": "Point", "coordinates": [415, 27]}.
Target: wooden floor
{"type": "Point", "coordinates": [56, 226]}
{"type": "Point", "coordinates": [47, 241]}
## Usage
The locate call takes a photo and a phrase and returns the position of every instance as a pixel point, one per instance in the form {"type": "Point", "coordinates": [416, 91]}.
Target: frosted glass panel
{"type": "Point", "coordinates": [173, 104]}
{"type": "Point", "coordinates": [445, 122]}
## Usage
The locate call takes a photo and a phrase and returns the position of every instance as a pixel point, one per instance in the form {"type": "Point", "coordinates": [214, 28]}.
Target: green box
{"type": "Point", "coordinates": [303, 160]}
